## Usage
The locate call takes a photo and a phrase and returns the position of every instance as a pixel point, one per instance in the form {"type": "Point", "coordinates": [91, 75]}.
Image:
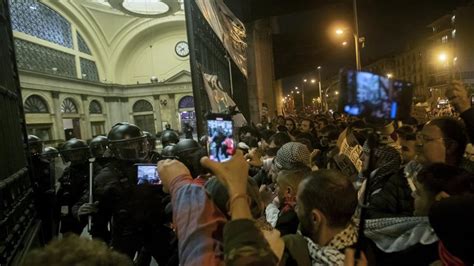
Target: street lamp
{"type": "Point", "coordinates": [389, 75]}
{"type": "Point", "coordinates": [442, 57]}
{"type": "Point", "coordinates": [355, 33]}
{"type": "Point", "coordinates": [313, 81]}
{"type": "Point", "coordinates": [319, 82]}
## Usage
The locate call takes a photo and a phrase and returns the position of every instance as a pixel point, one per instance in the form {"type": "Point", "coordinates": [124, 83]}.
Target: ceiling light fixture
{"type": "Point", "coordinates": [146, 8]}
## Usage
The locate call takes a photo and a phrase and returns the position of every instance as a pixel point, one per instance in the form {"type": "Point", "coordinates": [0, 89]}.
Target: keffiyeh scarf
{"type": "Point", "coordinates": [331, 254]}
{"type": "Point", "coordinates": [399, 233]}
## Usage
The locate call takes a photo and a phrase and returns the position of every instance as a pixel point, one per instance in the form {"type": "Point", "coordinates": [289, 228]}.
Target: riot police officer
{"type": "Point", "coordinates": [169, 137]}
{"type": "Point", "coordinates": [43, 187]}
{"type": "Point", "coordinates": [135, 211]}
{"type": "Point", "coordinates": [99, 149]}
{"type": "Point", "coordinates": [153, 155]}
{"type": "Point", "coordinates": [73, 183]}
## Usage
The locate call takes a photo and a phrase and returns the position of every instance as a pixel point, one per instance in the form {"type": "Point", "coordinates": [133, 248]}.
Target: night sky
{"type": "Point", "coordinates": [389, 26]}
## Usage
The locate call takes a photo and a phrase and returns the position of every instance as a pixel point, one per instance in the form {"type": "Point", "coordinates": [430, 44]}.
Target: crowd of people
{"type": "Point", "coordinates": [317, 189]}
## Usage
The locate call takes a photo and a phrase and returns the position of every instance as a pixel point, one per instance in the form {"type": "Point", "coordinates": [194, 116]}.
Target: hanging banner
{"type": "Point", "coordinates": [229, 29]}
{"type": "Point", "coordinates": [221, 102]}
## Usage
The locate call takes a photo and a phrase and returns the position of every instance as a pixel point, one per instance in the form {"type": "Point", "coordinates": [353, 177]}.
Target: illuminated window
{"type": "Point", "coordinates": [444, 39]}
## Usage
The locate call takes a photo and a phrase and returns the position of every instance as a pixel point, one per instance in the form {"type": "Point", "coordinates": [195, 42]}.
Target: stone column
{"type": "Point", "coordinates": [173, 112]}
{"type": "Point", "coordinates": [85, 118]}
{"type": "Point", "coordinates": [157, 111]}
{"type": "Point", "coordinates": [58, 120]}
{"type": "Point", "coordinates": [260, 69]}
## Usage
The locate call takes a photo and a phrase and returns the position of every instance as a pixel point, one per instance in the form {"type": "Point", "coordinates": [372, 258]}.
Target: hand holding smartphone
{"type": "Point", "coordinates": [373, 96]}
{"type": "Point", "coordinates": [221, 144]}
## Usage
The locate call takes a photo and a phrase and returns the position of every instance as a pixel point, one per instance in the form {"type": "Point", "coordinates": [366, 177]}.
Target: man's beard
{"type": "Point", "coordinates": [306, 226]}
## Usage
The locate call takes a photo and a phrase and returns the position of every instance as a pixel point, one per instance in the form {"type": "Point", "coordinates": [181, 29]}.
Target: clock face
{"type": "Point", "coordinates": [182, 49]}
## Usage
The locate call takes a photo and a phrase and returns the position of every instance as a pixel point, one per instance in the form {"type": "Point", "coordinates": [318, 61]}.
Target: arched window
{"type": "Point", "coordinates": [142, 106]}
{"type": "Point", "coordinates": [95, 107]}
{"type": "Point", "coordinates": [68, 106]}
{"type": "Point", "coordinates": [82, 45]}
{"type": "Point", "coordinates": [35, 104]}
{"type": "Point", "coordinates": [36, 19]}
{"type": "Point", "coordinates": [186, 102]}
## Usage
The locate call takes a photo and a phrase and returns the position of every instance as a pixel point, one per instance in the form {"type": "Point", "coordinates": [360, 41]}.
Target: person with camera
{"type": "Point", "coordinates": [73, 183]}
{"type": "Point", "coordinates": [200, 222]}
{"type": "Point", "coordinates": [134, 211]}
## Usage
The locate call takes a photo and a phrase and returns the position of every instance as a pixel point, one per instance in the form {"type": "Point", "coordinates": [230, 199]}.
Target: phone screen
{"type": "Point", "coordinates": [369, 95]}
{"type": "Point", "coordinates": [220, 145]}
{"type": "Point", "coordinates": [147, 174]}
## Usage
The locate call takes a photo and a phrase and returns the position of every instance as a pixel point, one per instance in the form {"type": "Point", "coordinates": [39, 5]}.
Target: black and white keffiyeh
{"type": "Point", "coordinates": [399, 233]}
{"type": "Point", "coordinates": [326, 255]}
{"type": "Point", "coordinates": [292, 155]}
{"type": "Point", "coordinates": [331, 254]}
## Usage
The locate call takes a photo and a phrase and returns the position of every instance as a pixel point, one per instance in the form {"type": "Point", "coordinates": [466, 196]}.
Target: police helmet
{"type": "Point", "coordinates": [168, 152]}
{"type": "Point", "coordinates": [98, 146]}
{"type": "Point", "coordinates": [35, 144]}
{"type": "Point", "coordinates": [50, 153]}
{"type": "Point", "coordinates": [127, 142]}
{"type": "Point", "coordinates": [151, 140]}
{"type": "Point", "coordinates": [75, 151]}
{"type": "Point", "coordinates": [189, 152]}
{"type": "Point", "coordinates": [168, 137]}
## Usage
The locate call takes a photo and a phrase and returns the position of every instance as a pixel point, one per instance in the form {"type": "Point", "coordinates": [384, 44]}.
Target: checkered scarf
{"type": "Point", "coordinates": [292, 155]}
{"type": "Point", "coordinates": [387, 162]}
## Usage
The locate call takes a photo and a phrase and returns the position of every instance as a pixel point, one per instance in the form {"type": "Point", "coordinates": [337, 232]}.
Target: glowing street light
{"type": "Point", "coordinates": [336, 92]}
{"type": "Point", "coordinates": [304, 80]}
{"type": "Point", "coordinates": [313, 81]}
{"type": "Point", "coordinates": [344, 43]}
{"type": "Point", "coordinates": [339, 31]}
{"type": "Point", "coordinates": [389, 75]}
{"type": "Point", "coordinates": [442, 57]}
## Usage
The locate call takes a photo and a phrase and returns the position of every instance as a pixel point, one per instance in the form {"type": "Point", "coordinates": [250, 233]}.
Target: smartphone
{"type": "Point", "coordinates": [365, 94]}
{"type": "Point", "coordinates": [220, 144]}
{"type": "Point", "coordinates": [147, 174]}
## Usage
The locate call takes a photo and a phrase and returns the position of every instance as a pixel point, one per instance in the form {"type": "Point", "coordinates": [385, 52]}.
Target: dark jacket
{"type": "Point", "coordinates": [287, 223]}
{"type": "Point", "coordinates": [296, 251]}
{"type": "Point", "coordinates": [394, 200]}
{"type": "Point", "coordinates": [468, 118]}
{"type": "Point", "coordinates": [244, 244]}
{"type": "Point", "coordinates": [419, 255]}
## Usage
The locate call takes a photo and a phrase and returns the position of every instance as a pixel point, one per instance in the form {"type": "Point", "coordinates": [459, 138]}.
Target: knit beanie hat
{"type": "Point", "coordinates": [292, 155]}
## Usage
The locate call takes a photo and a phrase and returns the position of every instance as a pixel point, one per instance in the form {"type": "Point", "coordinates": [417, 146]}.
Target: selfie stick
{"type": "Point", "coordinates": [361, 241]}
{"type": "Point", "coordinates": [91, 174]}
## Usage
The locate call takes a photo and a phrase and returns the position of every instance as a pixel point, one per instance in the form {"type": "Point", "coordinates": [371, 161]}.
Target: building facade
{"type": "Point", "coordinates": [85, 66]}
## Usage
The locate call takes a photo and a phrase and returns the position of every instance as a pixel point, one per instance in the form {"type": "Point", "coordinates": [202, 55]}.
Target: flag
{"type": "Point", "coordinates": [221, 102]}
{"type": "Point", "coordinates": [229, 29]}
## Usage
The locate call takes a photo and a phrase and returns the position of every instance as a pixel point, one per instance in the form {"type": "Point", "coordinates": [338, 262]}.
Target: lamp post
{"type": "Point", "coordinates": [302, 92]}
{"type": "Point", "coordinates": [319, 82]}
{"type": "Point", "coordinates": [355, 34]}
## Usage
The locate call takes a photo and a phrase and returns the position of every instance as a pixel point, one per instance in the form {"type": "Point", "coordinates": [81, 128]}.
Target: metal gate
{"type": "Point", "coordinates": [17, 212]}
{"type": "Point", "coordinates": [209, 55]}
